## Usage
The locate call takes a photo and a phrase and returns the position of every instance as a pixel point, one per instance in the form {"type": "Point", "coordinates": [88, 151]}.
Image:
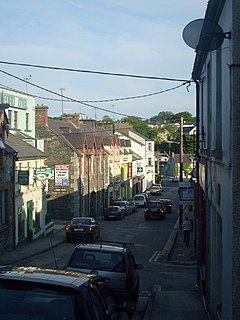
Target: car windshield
{"type": "Point", "coordinates": [100, 260]}
{"type": "Point", "coordinates": [154, 205]}
{"type": "Point", "coordinates": [83, 221]}
{"type": "Point", "coordinates": [113, 209]}
{"type": "Point", "coordinates": [19, 301]}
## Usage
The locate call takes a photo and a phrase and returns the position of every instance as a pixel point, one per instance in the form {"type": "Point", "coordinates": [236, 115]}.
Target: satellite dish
{"type": "Point", "coordinates": [203, 35]}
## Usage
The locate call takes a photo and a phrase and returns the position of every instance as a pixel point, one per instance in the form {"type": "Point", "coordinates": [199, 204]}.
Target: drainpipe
{"type": "Point", "coordinates": [197, 240]}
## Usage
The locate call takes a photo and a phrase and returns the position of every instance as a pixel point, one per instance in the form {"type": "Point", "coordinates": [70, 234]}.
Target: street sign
{"type": "Point", "coordinates": [186, 195]}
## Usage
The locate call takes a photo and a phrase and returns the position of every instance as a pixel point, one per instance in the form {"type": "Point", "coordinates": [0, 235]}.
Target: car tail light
{"type": "Point", "coordinates": [67, 228]}
{"type": "Point", "coordinates": [89, 228]}
{"type": "Point", "coordinates": [129, 280]}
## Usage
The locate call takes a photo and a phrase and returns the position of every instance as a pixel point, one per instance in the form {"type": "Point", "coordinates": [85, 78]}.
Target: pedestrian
{"type": "Point", "coordinates": [187, 226]}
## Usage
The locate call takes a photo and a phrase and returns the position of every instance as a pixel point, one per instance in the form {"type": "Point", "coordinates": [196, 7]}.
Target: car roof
{"type": "Point", "coordinates": [100, 247]}
{"type": "Point", "coordinates": [164, 200]}
{"type": "Point", "coordinates": [46, 276]}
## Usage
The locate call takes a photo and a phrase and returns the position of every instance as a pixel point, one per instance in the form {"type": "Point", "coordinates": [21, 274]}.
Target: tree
{"type": "Point", "coordinates": [107, 119]}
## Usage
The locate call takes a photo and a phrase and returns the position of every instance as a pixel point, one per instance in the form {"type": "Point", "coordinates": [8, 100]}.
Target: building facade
{"type": "Point", "coordinates": [216, 73]}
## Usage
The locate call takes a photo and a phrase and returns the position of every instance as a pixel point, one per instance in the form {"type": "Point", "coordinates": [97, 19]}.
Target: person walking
{"type": "Point", "coordinates": [187, 226]}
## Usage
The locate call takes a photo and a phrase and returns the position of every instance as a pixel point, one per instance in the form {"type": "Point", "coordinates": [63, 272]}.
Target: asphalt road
{"type": "Point", "coordinates": [148, 236]}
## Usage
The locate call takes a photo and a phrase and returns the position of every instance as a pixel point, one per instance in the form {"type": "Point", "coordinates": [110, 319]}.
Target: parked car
{"type": "Point", "coordinates": [82, 228]}
{"type": "Point", "coordinates": [168, 205]}
{"type": "Point", "coordinates": [115, 263]}
{"type": "Point", "coordinates": [155, 209]}
{"type": "Point", "coordinates": [113, 213]}
{"type": "Point", "coordinates": [155, 190]}
{"type": "Point", "coordinates": [158, 185]}
{"type": "Point", "coordinates": [140, 199]}
{"type": "Point", "coordinates": [124, 206]}
{"type": "Point", "coordinates": [42, 294]}
{"type": "Point", "coordinates": [133, 206]}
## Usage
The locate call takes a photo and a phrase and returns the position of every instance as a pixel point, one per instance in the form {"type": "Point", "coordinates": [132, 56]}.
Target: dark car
{"type": "Point", "coordinates": [113, 213]}
{"type": "Point", "coordinates": [124, 206]}
{"type": "Point", "coordinates": [154, 209]}
{"type": "Point", "coordinates": [115, 263]}
{"type": "Point", "coordinates": [133, 205]}
{"type": "Point", "coordinates": [82, 228]}
{"type": "Point", "coordinates": [30, 293]}
{"type": "Point", "coordinates": [168, 205]}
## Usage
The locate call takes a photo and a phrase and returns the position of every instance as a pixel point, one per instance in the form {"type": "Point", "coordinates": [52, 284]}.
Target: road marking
{"type": "Point", "coordinates": [151, 260]}
{"type": "Point", "coordinates": [154, 258]}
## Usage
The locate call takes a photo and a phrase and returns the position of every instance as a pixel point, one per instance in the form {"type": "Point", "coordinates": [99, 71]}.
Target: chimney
{"type": "Point", "coordinates": [72, 118]}
{"type": "Point", "coordinates": [41, 115]}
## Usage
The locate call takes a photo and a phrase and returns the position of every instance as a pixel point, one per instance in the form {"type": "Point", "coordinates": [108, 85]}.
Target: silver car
{"type": "Point", "coordinates": [115, 263]}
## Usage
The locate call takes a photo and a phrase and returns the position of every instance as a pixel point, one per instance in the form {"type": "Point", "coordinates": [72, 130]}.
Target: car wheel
{"type": "Point", "coordinates": [68, 239]}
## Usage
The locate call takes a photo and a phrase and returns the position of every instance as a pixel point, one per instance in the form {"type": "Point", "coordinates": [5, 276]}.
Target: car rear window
{"type": "Point", "coordinates": [83, 221]}
{"type": "Point", "coordinates": [139, 198]}
{"type": "Point", "coordinates": [19, 301]}
{"type": "Point", "coordinates": [113, 210]}
{"type": "Point", "coordinates": [100, 260]}
{"type": "Point", "coordinates": [154, 204]}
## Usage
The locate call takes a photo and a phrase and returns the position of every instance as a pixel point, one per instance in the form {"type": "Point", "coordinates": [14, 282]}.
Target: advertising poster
{"type": "Point", "coordinates": [61, 175]}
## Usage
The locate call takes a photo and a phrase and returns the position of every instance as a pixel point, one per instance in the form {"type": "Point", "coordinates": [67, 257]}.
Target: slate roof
{"type": "Point", "coordinates": [25, 150]}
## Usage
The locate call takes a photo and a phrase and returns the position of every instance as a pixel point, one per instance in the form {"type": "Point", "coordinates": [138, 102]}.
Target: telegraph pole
{"type": "Point", "coordinates": [181, 171]}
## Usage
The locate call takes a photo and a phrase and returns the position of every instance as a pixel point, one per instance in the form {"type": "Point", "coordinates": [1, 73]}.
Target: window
{"type": "Point", "coordinates": [149, 147]}
{"type": "Point", "coordinates": [2, 207]}
{"type": "Point", "coordinates": [15, 120]}
{"type": "Point", "coordinates": [10, 100]}
{"type": "Point", "coordinates": [149, 161]}
{"type": "Point", "coordinates": [27, 121]}
{"type": "Point", "coordinates": [22, 103]}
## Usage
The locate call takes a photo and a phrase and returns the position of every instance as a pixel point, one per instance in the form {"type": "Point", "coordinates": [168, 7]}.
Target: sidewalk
{"type": "Point", "coordinates": [178, 304]}
{"type": "Point", "coordinates": [23, 251]}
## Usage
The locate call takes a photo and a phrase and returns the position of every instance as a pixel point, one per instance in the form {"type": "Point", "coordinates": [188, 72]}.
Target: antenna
{"type": "Point", "coordinates": [204, 35]}
{"type": "Point", "coordinates": [26, 79]}
{"type": "Point", "coordinates": [61, 90]}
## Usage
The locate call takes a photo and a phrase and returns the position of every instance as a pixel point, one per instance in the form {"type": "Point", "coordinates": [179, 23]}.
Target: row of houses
{"type": "Point", "coordinates": [63, 168]}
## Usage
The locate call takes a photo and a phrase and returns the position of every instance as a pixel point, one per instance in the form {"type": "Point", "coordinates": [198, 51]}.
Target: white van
{"type": "Point", "coordinates": [140, 200]}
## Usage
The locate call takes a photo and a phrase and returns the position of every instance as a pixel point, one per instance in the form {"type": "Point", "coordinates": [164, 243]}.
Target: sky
{"type": "Point", "coordinates": [128, 37]}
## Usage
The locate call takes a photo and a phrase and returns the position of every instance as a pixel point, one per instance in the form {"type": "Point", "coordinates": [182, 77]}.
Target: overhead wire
{"type": "Point", "coordinates": [85, 102]}
{"type": "Point", "coordinates": [66, 97]}
{"type": "Point", "coordinates": [94, 72]}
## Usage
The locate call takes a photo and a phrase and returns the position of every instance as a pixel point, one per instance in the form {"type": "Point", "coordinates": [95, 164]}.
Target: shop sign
{"type": "Point", "coordinates": [43, 174]}
{"type": "Point", "coordinates": [23, 177]}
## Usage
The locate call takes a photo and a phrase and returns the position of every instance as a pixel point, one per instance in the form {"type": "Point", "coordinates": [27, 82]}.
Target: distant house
{"type": "Point", "coordinates": [30, 197]}
{"type": "Point", "coordinates": [7, 185]}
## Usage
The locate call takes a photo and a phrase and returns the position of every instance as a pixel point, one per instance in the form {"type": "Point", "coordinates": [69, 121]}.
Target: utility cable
{"type": "Point", "coordinates": [85, 102]}
{"type": "Point", "coordinates": [66, 97]}
{"type": "Point", "coordinates": [93, 72]}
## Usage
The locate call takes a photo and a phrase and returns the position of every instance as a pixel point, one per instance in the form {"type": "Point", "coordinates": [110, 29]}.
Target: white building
{"type": "Point", "coordinates": [216, 73]}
